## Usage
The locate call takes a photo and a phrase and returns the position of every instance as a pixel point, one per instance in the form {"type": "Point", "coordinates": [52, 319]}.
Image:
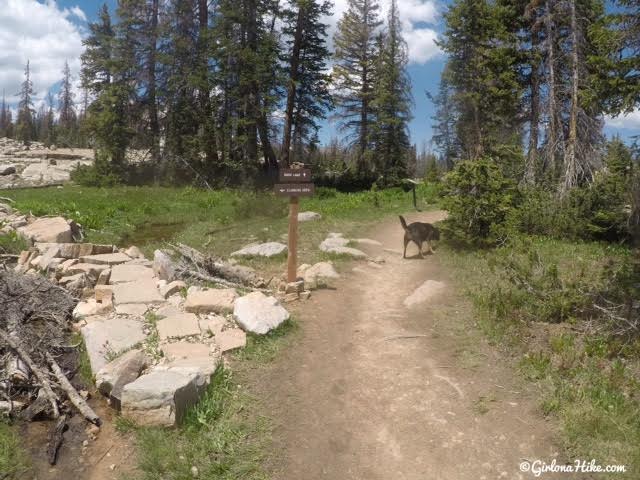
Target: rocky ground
{"type": "Point", "coordinates": [35, 165]}
{"type": "Point", "coordinates": [152, 339]}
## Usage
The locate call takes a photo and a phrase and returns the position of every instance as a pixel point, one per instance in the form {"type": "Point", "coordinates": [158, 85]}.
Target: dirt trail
{"type": "Point", "coordinates": [372, 389]}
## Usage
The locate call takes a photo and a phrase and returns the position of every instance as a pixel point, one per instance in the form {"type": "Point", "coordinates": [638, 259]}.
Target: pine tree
{"type": "Point", "coordinates": [5, 119]}
{"type": "Point", "coordinates": [392, 102]}
{"type": "Point", "coordinates": [483, 71]}
{"type": "Point", "coordinates": [25, 125]}
{"type": "Point", "coordinates": [445, 121]}
{"type": "Point", "coordinates": [67, 117]}
{"type": "Point", "coordinates": [97, 59]}
{"type": "Point", "coordinates": [355, 60]}
{"type": "Point", "coordinates": [308, 87]}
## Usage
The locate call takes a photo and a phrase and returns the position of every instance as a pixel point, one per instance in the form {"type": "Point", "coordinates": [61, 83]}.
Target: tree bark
{"type": "Point", "coordinates": [534, 119]}
{"type": "Point", "coordinates": [291, 89]}
{"type": "Point", "coordinates": [554, 133]}
{"type": "Point", "coordinates": [570, 178]}
{"type": "Point", "coordinates": [154, 124]}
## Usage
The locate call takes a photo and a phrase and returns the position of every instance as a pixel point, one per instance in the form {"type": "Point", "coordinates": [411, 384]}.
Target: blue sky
{"type": "Point", "coordinates": [50, 32]}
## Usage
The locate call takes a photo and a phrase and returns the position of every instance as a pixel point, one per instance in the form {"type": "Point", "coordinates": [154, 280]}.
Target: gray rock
{"type": "Point", "coordinates": [107, 336]}
{"type": "Point", "coordinates": [112, 378]}
{"type": "Point", "coordinates": [159, 398]}
{"type": "Point", "coordinates": [210, 300]}
{"type": "Point", "coordinates": [88, 308]}
{"type": "Point", "coordinates": [258, 313]}
{"type": "Point", "coordinates": [7, 169]}
{"type": "Point", "coordinates": [163, 266]}
{"type": "Point", "coordinates": [132, 309]}
{"type": "Point", "coordinates": [140, 291]}
{"type": "Point", "coordinates": [269, 249]}
{"type": "Point", "coordinates": [54, 230]}
{"type": "Point", "coordinates": [129, 273]}
{"type": "Point", "coordinates": [231, 339]}
{"type": "Point", "coordinates": [320, 275]}
{"type": "Point", "coordinates": [338, 246]}
{"type": "Point", "coordinates": [134, 252]}
{"type": "Point", "coordinates": [308, 216]}
{"type": "Point", "coordinates": [178, 326]}
{"type": "Point", "coordinates": [172, 288]}
{"type": "Point", "coordinates": [108, 259]}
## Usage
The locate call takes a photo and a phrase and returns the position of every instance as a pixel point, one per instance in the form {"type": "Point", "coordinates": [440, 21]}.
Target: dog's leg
{"type": "Point", "coordinates": [420, 249]}
{"type": "Point", "coordinates": [406, 242]}
{"type": "Point", "coordinates": [430, 247]}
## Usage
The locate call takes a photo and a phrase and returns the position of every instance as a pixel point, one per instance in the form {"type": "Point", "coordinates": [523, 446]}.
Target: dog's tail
{"type": "Point", "coordinates": [403, 222]}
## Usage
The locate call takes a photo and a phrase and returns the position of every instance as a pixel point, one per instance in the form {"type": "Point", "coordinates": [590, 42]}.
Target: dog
{"type": "Point", "coordinates": [418, 233]}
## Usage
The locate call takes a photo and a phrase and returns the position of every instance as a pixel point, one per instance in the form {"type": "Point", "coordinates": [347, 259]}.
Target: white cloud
{"type": "Point", "coordinates": [418, 17]}
{"type": "Point", "coordinates": [43, 34]}
{"type": "Point", "coordinates": [630, 121]}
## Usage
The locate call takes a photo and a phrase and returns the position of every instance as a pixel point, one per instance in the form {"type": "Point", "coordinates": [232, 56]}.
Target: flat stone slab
{"type": "Point", "coordinates": [211, 300]}
{"type": "Point", "coordinates": [141, 291]}
{"type": "Point", "coordinates": [231, 339]}
{"type": "Point", "coordinates": [178, 326]}
{"type": "Point", "coordinates": [308, 216]}
{"type": "Point", "coordinates": [185, 350]}
{"type": "Point", "coordinates": [425, 292]}
{"type": "Point", "coordinates": [129, 273]}
{"type": "Point", "coordinates": [258, 313]}
{"type": "Point", "coordinates": [133, 309]}
{"type": "Point", "coordinates": [54, 230]}
{"type": "Point", "coordinates": [212, 325]}
{"type": "Point", "coordinates": [108, 259]}
{"type": "Point", "coordinates": [109, 336]}
{"type": "Point", "coordinates": [269, 249]}
{"type": "Point", "coordinates": [159, 398]}
{"type": "Point", "coordinates": [333, 242]}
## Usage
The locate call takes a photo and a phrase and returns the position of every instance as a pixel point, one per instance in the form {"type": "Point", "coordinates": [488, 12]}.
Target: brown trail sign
{"type": "Point", "coordinates": [303, 188]}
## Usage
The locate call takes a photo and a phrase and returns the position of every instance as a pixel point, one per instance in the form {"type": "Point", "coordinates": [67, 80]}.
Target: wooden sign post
{"type": "Point", "coordinates": [301, 188]}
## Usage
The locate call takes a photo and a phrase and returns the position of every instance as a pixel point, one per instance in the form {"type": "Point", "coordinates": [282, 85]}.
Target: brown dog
{"type": "Point", "coordinates": [418, 233]}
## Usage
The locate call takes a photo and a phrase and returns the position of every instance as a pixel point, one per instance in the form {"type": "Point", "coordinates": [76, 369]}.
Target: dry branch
{"type": "Point", "coordinates": [55, 439]}
{"type": "Point", "coordinates": [77, 401]}
{"type": "Point", "coordinates": [40, 375]}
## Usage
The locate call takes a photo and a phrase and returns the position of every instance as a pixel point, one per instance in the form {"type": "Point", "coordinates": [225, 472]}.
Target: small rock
{"type": "Point", "coordinates": [258, 313]}
{"type": "Point", "coordinates": [194, 472]}
{"type": "Point", "coordinates": [306, 295]}
{"type": "Point", "coordinates": [269, 249]}
{"type": "Point", "coordinates": [112, 378]}
{"type": "Point", "coordinates": [134, 252]}
{"type": "Point", "coordinates": [89, 308]}
{"type": "Point", "coordinates": [294, 287]}
{"type": "Point", "coordinates": [308, 216]}
{"type": "Point", "coordinates": [163, 266]}
{"type": "Point", "coordinates": [103, 277]}
{"type": "Point", "coordinates": [320, 275]}
{"type": "Point", "coordinates": [172, 288]}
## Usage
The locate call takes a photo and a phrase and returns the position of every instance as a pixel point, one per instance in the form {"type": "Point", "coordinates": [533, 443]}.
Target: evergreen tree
{"type": "Point", "coordinates": [67, 117]}
{"type": "Point", "coordinates": [392, 102]}
{"type": "Point", "coordinates": [25, 125]}
{"type": "Point", "coordinates": [445, 121]}
{"type": "Point", "coordinates": [483, 70]}
{"type": "Point", "coordinates": [308, 95]}
{"type": "Point", "coordinates": [97, 59]}
{"type": "Point", "coordinates": [355, 60]}
{"type": "Point", "coordinates": [5, 117]}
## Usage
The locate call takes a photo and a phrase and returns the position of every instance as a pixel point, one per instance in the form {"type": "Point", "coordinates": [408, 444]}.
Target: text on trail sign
{"type": "Point", "coordinates": [295, 175]}
{"type": "Point", "coordinates": [294, 189]}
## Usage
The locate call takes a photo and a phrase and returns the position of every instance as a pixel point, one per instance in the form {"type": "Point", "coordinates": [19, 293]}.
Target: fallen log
{"type": "Point", "coordinates": [195, 261]}
{"type": "Point", "coordinates": [38, 406]}
{"type": "Point", "coordinates": [55, 439]}
{"type": "Point", "coordinates": [75, 398]}
{"type": "Point", "coordinates": [40, 375]}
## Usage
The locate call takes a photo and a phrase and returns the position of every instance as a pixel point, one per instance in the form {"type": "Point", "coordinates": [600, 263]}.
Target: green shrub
{"type": "Point", "coordinates": [99, 174]}
{"type": "Point", "coordinates": [478, 197]}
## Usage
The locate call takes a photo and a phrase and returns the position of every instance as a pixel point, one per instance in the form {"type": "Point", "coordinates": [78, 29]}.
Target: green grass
{"type": "Point", "coordinates": [213, 221]}
{"type": "Point", "coordinates": [226, 435]}
{"type": "Point", "coordinates": [590, 391]}
{"type": "Point", "coordinates": [13, 459]}
{"type": "Point", "coordinates": [12, 243]}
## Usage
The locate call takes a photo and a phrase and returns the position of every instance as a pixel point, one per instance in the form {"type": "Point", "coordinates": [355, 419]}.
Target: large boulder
{"type": "Point", "coordinates": [53, 230]}
{"type": "Point", "coordinates": [210, 300]}
{"type": "Point", "coordinates": [319, 275]}
{"type": "Point", "coordinates": [269, 249]}
{"type": "Point", "coordinates": [159, 398]}
{"type": "Point", "coordinates": [258, 313]}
